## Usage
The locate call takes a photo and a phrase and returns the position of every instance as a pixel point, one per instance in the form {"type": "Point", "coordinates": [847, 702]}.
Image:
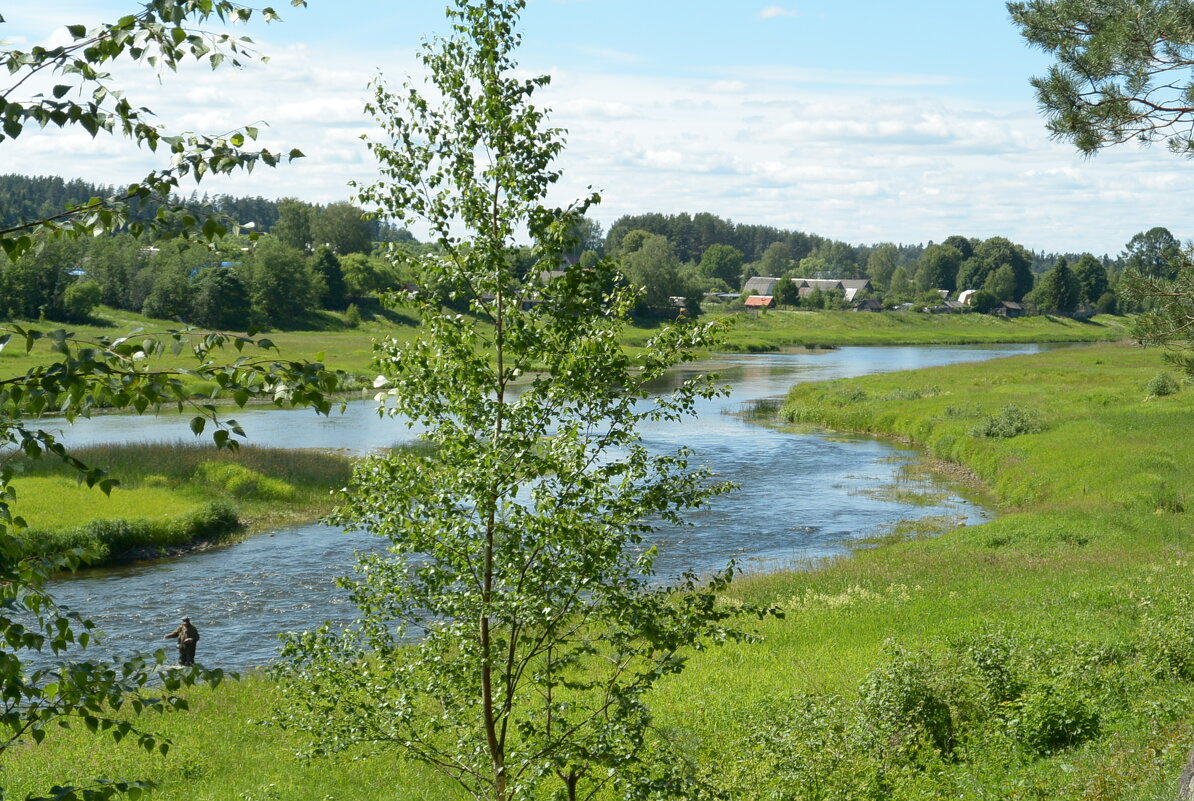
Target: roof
{"type": "Point", "coordinates": [762, 301]}
{"type": "Point", "coordinates": [855, 283]}
{"type": "Point", "coordinates": [760, 285]}
{"type": "Point", "coordinates": [1011, 304]}
{"type": "Point", "coordinates": [823, 284]}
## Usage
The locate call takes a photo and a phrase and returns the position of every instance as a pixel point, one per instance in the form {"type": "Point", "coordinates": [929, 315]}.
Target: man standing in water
{"type": "Point", "coordinates": [188, 637]}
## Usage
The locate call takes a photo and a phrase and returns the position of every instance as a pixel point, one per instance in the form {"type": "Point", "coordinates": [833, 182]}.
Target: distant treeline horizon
{"type": "Point", "coordinates": [33, 197]}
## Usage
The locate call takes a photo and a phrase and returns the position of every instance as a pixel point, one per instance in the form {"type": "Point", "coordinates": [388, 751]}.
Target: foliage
{"type": "Point", "coordinates": [1169, 319]}
{"type": "Point", "coordinates": [776, 260]}
{"type": "Point", "coordinates": [939, 268]}
{"type": "Point", "coordinates": [1121, 72]}
{"type": "Point", "coordinates": [1010, 421]}
{"type": "Point", "coordinates": [1161, 385]}
{"type": "Point", "coordinates": [881, 263]}
{"type": "Point", "coordinates": [900, 700]}
{"type": "Point", "coordinates": [164, 34]}
{"type": "Point", "coordinates": [1057, 290]}
{"type": "Point", "coordinates": [342, 228]}
{"type": "Point", "coordinates": [724, 262]}
{"type": "Point", "coordinates": [1155, 253]}
{"type": "Point", "coordinates": [326, 269]}
{"type": "Point", "coordinates": [516, 599]}
{"type": "Point", "coordinates": [652, 267]}
{"type": "Point", "coordinates": [787, 292]}
{"type": "Point", "coordinates": [1091, 276]}
{"type": "Point", "coordinates": [983, 301]}
{"type": "Point", "coordinates": [1053, 717]}
{"type": "Point", "coordinates": [220, 300]}
{"type": "Point", "coordinates": [280, 282]}
{"type": "Point", "coordinates": [80, 299]}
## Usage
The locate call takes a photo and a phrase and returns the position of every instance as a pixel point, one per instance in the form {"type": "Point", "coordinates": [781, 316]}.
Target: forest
{"type": "Point", "coordinates": [289, 259]}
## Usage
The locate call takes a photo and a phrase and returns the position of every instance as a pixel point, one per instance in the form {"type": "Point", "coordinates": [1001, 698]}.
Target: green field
{"type": "Point", "coordinates": [350, 349]}
{"type": "Point", "coordinates": [1048, 654]}
{"type": "Point", "coordinates": [777, 329]}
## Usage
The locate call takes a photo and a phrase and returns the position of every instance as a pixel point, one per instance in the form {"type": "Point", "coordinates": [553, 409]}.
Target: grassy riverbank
{"type": "Point", "coordinates": [779, 329]}
{"type": "Point", "coordinates": [172, 497]}
{"type": "Point", "coordinates": [1048, 654]}
{"type": "Point", "coordinates": [350, 349]}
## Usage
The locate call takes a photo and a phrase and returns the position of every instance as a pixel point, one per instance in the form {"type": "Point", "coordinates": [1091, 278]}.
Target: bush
{"type": "Point", "coordinates": [1167, 643]}
{"type": "Point", "coordinates": [81, 299]}
{"type": "Point", "coordinates": [1010, 421]}
{"type": "Point", "coordinates": [352, 316]}
{"type": "Point", "coordinates": [901, 702]}
{"type": "Point", "coordinates": [1162, 384]}
{"type": "Point", "coordinates": [1053, 717]}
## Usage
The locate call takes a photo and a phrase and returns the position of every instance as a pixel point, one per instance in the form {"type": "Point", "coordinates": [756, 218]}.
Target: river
{"type": "Point", "coordinates": [801, 498]}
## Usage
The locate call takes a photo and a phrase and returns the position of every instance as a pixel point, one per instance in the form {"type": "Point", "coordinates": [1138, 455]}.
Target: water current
{"type": "Point", "coordinates": [801, 497]}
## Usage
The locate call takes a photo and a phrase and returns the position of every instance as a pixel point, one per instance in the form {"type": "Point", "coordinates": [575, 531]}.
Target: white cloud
{"type": "Point", "coordinates": [852, 155]}
{"type": "Point", "coordinates": [729, 87]}
{"type": "Point", "coordinates": [771, 12]}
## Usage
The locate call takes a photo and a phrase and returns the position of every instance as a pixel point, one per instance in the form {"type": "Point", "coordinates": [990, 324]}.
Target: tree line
{"type": "Point", "coordinates": [326, 256]}
{"type": "Point", "coordinates": [690, 256]}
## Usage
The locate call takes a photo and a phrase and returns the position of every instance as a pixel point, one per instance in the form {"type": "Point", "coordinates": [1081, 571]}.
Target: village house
{"type": "Point", "coordinates": [850, 287]}
{"type": "Point", "coordinates": [760, 285]}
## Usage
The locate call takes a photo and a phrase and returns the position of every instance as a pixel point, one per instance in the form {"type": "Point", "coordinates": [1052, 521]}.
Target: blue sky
{"type": "Point", "coordinates": [865, 121]}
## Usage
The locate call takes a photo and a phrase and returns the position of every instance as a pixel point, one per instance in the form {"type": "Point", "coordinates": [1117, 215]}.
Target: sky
{"type": "Point", "coordinates": [860, 120]}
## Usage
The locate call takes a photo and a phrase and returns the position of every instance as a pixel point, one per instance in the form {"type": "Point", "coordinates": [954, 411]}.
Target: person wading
{"type": "Point", "coordinates": [188, 637]}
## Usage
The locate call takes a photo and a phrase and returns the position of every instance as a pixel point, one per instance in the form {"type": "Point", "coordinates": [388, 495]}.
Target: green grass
{"type": "Point", "coordinates": [1074, 606]}
{"type": "Point", "coordinates": [171, 495]}
{"type": "Point", "coordinates": [350, 349]}
{"type": "Point", "coordinates": [778, 329]}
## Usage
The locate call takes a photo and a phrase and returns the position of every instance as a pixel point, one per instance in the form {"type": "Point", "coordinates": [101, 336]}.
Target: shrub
{"type": "Point", "coordinates": [1053, 717]}
{"type": "Point", "coordinates": [352, 316]}
{"type": "Point", "coordinates": [1162, 384]}
{"type": "Point", "coordinates": [1010, 421]}
{"type": "Point", "coordinates": [901, 701]}
{"type": "Point", "coordinates": [81, 299]}
{"type": "Point", "coordinates": [1167, 643]}
{"type": "Point", "coordinates": [991, 655]}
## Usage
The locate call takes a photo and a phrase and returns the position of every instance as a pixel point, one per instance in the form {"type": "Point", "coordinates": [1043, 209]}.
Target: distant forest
{"type": "Point", "coordinates": [25, 197]}
{"type": "Point", "coordinates": [318, 257]}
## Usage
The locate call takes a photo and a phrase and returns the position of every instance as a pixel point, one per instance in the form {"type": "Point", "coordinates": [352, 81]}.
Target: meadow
{"type": "Point", "coordinates": [329, 339]}
{"type": "Point", "coordinates": [1047, 654]}
{"type": "Point", "coordinates": [777, 329]}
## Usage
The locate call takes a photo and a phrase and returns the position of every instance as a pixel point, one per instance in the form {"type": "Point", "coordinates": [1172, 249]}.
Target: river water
{"type": "Point", "coordinates": [801, 497]}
